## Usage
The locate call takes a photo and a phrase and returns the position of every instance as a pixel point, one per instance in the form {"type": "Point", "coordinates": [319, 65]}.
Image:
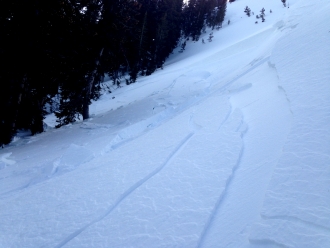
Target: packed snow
{"type": "Point", "coordinates": [227, 146]}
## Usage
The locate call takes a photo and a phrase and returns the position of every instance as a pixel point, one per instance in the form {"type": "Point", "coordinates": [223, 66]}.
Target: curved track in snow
{"type": "Point", "coordinates": [212, 151]}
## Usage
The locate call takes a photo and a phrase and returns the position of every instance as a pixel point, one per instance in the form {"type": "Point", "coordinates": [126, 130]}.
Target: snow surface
{"type": "Point", "coordinates": [228, 146]}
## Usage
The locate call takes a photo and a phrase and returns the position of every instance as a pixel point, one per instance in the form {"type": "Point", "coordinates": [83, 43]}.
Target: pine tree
{"type": "Point", "coordinates": [262, 14]}
{"type": "Point", "coordinates": [73, 43]}
{"type": "Point", "coordinates": [194, 18]}
{"type": "Point", "coordinates": [199, 14]}
{"type": "Point", "coordinates": [247, 11]}
{"type": "Point", "coordinates": [222, 11]}
{"type": "Point", "coordinates": [183, 46]}
{"type": "Point", "coordinates": [210, 37]}
{"type": "Point", "coordinates": [83, 58]}
{"type": "Point", "coordinates": [29, 30]}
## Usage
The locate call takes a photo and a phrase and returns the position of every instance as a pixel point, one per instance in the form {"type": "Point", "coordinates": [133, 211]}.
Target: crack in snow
{"type": "Point", "coordinates": [223, 194]}
{"type": "Point", "coordinates": [177, 149]}
{"type": "Point", "coordinates": [219, 202]}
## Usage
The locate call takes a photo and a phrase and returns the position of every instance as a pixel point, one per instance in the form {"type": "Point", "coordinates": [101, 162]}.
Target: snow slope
{"type": "Point", "coordinates": [228, 146]}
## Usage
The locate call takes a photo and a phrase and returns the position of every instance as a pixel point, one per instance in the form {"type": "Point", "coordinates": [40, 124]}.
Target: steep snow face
{"type": "Point", "coordinates": [296, 208]}
{"type": "Point", "coordinates": [228, 146]}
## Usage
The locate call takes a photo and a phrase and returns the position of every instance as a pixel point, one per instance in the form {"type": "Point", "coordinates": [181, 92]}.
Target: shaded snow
{"type": "Point", "coordinates": [228, 146]}
{"type": "Point", "coordinates": [296, 209]}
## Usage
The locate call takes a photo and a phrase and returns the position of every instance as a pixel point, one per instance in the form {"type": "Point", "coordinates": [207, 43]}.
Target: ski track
{"type": "Point", "coordinates": [217, 85]}
{"type": "Point", "coordinates": [156, 121]}
{"type": "Point", "coordinates": [234, 169]}
{"type": "Point", "coordinates": [219, 202]}
{"type": "Point", "coordinates": [203, 242]}
{"type": "Point", "coordinates": [127, 193]}
{"type": "Point", "coordinates": [140, 128]}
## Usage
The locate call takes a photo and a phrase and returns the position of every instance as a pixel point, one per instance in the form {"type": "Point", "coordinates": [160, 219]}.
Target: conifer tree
{"type": "Point", "coordinates": [198, 14]}
{"type": "Point", "coordinates": [29, 54]}
{"type": "Point", "coordinates": [262, 14]}
{"type": "Point", "coordinates": [247, 11]}
{"type": "Point", "coordinates": [73, 43]}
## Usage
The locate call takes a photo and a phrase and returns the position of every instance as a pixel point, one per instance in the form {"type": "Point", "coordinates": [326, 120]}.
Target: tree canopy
{"type": "Point", "coordinates": [60, 50]}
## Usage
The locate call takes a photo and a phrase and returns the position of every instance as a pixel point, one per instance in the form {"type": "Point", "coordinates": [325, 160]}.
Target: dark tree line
{"type": "Point", "coordinates": [198, 14]}
{"type": "Point", "coordinates": [60, 50]}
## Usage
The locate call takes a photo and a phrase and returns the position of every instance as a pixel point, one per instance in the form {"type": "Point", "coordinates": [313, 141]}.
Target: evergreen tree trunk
{"type": "Point", "coordinates": [90, 82]}
{"type": "Point", "coordinates": [141, 41]}
{"type": "Point", "coordinates": [19, 100]}
{"type": "Point", "coordinates": [85, 112]}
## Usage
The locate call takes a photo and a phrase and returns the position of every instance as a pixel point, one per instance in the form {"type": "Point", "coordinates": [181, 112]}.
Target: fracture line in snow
{"type": "Point", "coordinates": [140, 128]}
{"type": "Point", "coordinates": [226, 117]}
{"type": "Point", "coordinates": [177, 149]}
{"type": "Point", "coordinates": [181, 108]}
{"type": "Point", "coordinates": [273, 66]}
{"type": "Point", "coordinates": [230, 178]}
{"type": "Point", "coordinates": [154, 121]}
{"type": "Point", "coordinates": [170, 88]}
{"type": "Point", "coordinates": [254, 66]}
{"type": "Point", "coordinates": [219, 201]}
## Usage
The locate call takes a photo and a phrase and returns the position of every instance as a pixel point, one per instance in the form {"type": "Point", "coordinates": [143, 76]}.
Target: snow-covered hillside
{"type": "Point", "coordinates": [227, 146]}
